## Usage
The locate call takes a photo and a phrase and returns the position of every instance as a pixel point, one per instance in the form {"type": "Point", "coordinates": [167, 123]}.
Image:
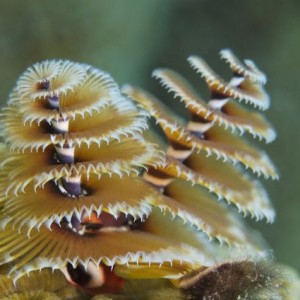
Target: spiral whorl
{"type": "Point", "coordinates": [74, 149]}
{"type": "Point", "coordinates": [209, 150]}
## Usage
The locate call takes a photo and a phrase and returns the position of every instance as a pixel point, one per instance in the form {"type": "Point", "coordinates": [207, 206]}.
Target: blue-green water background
{"type": "Point", "coordinates": [129, 38]}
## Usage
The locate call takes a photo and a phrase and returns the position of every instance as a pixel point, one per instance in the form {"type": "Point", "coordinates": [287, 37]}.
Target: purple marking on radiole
{"type": "Point", "coordinates": [44, 85]}
{"type": "Point", "coordinates": [65, 154]}
{"type": "Point", "coordinates": [73, 188]}
{"type": "Point", "coordinates": [53, 101]}
{"type": "Point", "coordinates": [199, 134]}
{"type": "Point", "coordinates": [60, 126]}
{"type": "Point", "coordinates": [75, 223]}
{"type": "Point", "coordinates": [65, 159]}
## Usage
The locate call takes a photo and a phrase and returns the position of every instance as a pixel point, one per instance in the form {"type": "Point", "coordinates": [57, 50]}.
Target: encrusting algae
{"type": "Point", "coordinates": [86, 188]}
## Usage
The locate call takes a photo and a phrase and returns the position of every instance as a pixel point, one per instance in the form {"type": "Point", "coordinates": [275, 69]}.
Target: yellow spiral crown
{"type": "Point", "coordinates": [84, 184]}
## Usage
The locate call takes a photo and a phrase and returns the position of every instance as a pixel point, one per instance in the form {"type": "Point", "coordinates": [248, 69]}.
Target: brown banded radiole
{"type": "Point", "coordinates": [89, 189]}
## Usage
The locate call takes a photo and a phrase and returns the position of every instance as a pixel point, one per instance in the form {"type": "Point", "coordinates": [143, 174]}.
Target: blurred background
{"type": "Point", "coordinates": [130, 38]}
